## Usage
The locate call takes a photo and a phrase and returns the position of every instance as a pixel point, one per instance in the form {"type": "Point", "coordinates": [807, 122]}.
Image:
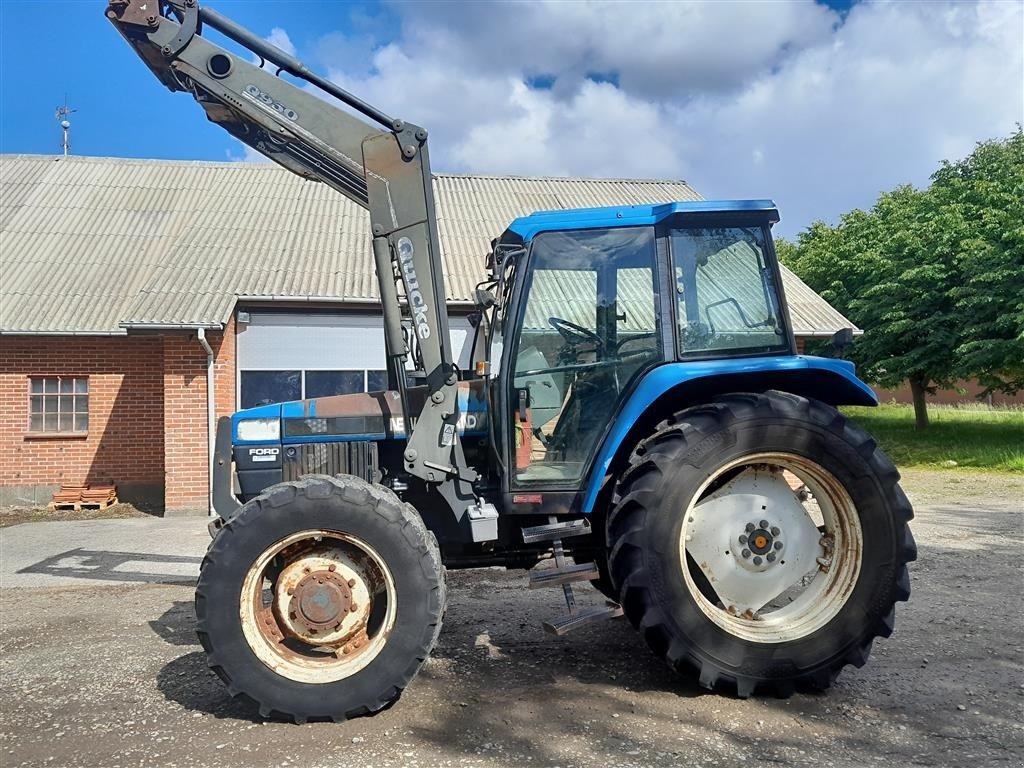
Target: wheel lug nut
{"type": "Point", "coordinates": [745, 553]}
{"type": "Point", "coordinates": [743, 539]}
{"type": "Point", "coordinates": [775, 531]}
{"type": "Point", "coordinates": [750, 528]}
{"type": "Point", "coordinates": [757, 561]}
{"type": "Point", "coordinates": [764, 523]}
{"type": "Point", "coordinates": [770, 557]}
{"type": "Point", "coordinates": [778, 545]}
{"type": "Point", "coordinates": [351, 582]}
{"type": "Point", "coordinates": [332, 568]}
{"type": "Point", "coordinates": [353, 607]}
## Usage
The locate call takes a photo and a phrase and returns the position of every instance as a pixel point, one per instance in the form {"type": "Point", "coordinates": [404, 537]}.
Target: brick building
{"type": "Point", "coordinates": [127, 286]}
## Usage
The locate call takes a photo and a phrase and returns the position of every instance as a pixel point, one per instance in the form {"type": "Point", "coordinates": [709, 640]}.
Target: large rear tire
{"type": "Point", "coordinates": [760, 541]}
{"type": "Point", "coordinates": [320, 599]}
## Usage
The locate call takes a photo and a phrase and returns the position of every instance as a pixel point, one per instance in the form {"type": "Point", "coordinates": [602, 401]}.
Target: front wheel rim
{"type": "Point", "coordinates": [318, 606]}
{"type": "Point", "coordinates": [771, 547]}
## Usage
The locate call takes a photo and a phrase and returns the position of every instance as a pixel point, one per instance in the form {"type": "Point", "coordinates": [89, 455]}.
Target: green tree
{"type": "Point", "coordinates": [934, 277]}
{"type": "Point", "coordinates": [979, 204]}
{"type": "Point", "coordinates": [880, 268]}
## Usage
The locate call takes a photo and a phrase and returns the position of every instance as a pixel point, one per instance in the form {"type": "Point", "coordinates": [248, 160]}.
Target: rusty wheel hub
{"type": "Point", "coordinates": [318, 606]}
{"type": "Point", "coordinates": [322, 597]}
{"type": "Point", "coordinates": [320, 601]}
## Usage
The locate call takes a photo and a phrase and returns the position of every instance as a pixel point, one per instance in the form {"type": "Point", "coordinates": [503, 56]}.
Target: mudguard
{"type": "Point", "coordinates": [826, 379]}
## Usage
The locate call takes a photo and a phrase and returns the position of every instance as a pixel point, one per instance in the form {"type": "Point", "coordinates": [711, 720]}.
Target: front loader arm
{"type": "Point", "coordinates": [379, 162]}
{"type": "Point", "coordinates": [287, 124]}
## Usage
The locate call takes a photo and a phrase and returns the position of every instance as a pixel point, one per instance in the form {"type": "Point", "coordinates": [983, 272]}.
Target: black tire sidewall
{"type": "Point", "coordinates": [418, 593]}
{"type": "Point", "coordinates": [870, 598]}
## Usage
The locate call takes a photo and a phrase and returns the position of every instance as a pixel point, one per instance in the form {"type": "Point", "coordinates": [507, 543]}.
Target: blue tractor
{"type": "Point", "coordinates": [636, 416]}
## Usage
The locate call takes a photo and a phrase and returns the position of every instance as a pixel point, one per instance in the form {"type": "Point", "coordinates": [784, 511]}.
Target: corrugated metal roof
{"type": "Point", "coordinates": [88, 245]}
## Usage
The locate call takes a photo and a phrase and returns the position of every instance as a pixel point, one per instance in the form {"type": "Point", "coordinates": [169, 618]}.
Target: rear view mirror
{"type": "Point", "coordinates": [841, 339]}
{"type": "Point", "coordinates": [484, 298]}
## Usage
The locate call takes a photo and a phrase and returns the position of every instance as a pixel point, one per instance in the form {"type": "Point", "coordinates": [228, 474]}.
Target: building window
{"type": "Point", "coordinates": [266, 387]}
{"type": "Point", "coordinates": [58, 404]}
{"type": "Point", "coordinates": [376, 381]}
{"type": "Point", "coordinates": [327, 383]}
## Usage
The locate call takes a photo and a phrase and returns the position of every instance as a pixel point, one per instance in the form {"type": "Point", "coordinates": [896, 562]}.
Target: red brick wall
{"type": "Point", "coordinates": [124, 444]}
{"type": "Point", "coordinates": [224, 347]}
{"type": "Point", "coordinates": [185, 440]}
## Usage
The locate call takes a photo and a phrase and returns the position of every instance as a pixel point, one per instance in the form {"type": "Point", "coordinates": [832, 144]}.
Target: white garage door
{"type": "Point", "coordinates": [291, 356]}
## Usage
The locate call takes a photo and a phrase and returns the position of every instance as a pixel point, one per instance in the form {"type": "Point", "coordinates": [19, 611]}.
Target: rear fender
{"type": "Point", "coordinates": [672, 387]}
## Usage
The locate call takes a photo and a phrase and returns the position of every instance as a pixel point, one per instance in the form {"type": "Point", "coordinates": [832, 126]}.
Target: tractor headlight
{"type": "Point", "coordinates": [252, 430]}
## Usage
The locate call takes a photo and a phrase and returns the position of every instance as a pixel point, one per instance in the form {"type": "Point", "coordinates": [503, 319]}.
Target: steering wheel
{"type": "Point", "coordinates": [572, 333]}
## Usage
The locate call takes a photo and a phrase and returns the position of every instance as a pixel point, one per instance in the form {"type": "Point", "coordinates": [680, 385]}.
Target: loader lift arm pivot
{"type": "Point", "coordinates": [379, 162]}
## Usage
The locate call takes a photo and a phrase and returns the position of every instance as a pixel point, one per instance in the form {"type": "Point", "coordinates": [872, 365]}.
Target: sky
{"type": "Point", "coordinates": [818, 105]}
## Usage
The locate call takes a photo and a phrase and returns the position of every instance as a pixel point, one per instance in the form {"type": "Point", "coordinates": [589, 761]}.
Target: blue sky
{"type": "Point", "coordinates": [57, 46]}
{"type": "Point", "coordinates": [820, 106]}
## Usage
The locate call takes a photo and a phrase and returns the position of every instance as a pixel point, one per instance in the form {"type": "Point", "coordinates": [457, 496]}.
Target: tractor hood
{"type": "Point", "coordinates": [359, 416]}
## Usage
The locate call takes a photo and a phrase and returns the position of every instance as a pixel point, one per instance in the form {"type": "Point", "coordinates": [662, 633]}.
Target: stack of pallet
{"type": "Point", "coordinates": [99, 496]}
{"type": "Point", "coordinates": [68, 497]}
{"type": "Point", "coordinates": [85, 497]}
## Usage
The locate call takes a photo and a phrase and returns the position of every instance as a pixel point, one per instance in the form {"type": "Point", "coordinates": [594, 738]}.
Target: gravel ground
{"type": "Point", "coordinates": [18, 515]}
{"type": "Point", "coordinates": [110, 674]}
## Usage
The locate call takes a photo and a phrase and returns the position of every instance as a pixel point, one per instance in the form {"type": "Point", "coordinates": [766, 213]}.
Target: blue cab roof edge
{"type": "Point", "coordinates": [631, 215]}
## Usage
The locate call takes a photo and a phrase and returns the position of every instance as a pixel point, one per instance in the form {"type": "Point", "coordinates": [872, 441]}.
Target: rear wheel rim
{"type": "Point", "coordinates": [771, 547]}
{"type": "Point", "coordinates": [318, 606]}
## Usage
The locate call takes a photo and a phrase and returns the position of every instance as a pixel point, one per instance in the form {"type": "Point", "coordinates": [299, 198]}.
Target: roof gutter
{"type": "Point", "coordinates": [824, 334]}
{"type": "Point", "coordinates": [63, 333]}
{"type": "Point", "coordinates": [172, 326]}
{"type": "Point", "coordinates": [333, 300]}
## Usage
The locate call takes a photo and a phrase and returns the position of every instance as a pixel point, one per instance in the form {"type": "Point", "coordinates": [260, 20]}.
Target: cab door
{"type": "Point", "coordinates": [587, 322]}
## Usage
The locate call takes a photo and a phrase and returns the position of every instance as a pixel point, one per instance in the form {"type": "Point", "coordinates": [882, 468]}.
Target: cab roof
{"type": "Point", "coordinates": [632, 215]}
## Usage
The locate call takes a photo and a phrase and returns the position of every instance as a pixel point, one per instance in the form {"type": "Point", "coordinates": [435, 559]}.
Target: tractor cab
{"type": "Point", "coordinates": [589, 301]}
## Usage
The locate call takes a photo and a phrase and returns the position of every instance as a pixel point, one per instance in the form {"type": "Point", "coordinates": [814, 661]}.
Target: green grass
{"type": "Point", "coordinates": [974, 437]}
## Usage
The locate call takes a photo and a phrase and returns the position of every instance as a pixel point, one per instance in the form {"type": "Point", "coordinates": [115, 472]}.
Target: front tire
{"type": "Point", "coordinates": [761, 541]}
{"type": "Point", "coordinates": [320, 599]}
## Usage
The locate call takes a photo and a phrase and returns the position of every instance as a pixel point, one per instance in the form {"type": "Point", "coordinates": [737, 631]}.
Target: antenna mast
{"type": "Point", "coordinates": [62, 116]}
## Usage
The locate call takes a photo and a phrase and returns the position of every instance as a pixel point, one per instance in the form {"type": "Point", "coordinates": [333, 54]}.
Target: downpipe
{"type": "Point", "coordinates": [210, 416]}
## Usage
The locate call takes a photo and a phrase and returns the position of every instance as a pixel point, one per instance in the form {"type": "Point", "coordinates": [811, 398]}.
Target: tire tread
{"type": "Point", "coordinates": [667, 446]}
{"type": "Point", "coordinates": [353, 490]}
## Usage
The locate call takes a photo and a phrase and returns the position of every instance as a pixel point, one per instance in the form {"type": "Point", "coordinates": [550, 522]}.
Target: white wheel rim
{"type": "Point", "coordinates": [794, 579]}
{"type": "Point", "coordinates": [321, 568]}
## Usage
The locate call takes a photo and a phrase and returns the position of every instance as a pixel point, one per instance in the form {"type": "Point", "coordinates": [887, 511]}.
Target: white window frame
{"type": "Point", "coordinates": [74, 394]}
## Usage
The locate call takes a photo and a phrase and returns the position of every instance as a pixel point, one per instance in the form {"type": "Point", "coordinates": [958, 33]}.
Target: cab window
{"type": "Point", "coordinates": [588, 326]}
{"type": "Point", "coordinates": [726, 293]}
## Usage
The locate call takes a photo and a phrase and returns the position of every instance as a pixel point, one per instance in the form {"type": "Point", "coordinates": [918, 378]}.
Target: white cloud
{"type": "Point", "coordinates": [658, 49]}
{"type": "Point", "coordinates": [899, 88]}
{"type": "Point", "coordinates": [599, 131]}
{"type": "Point", "coordinates": [278, 37]}
{"type": "Point", "coordinates": [748, 99]}
{"type": "Point", "coordinates": [249, 155]}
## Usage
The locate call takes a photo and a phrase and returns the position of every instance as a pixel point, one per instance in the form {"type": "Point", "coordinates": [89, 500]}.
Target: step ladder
{"type": "Point", "coordinates": [564, 576]}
